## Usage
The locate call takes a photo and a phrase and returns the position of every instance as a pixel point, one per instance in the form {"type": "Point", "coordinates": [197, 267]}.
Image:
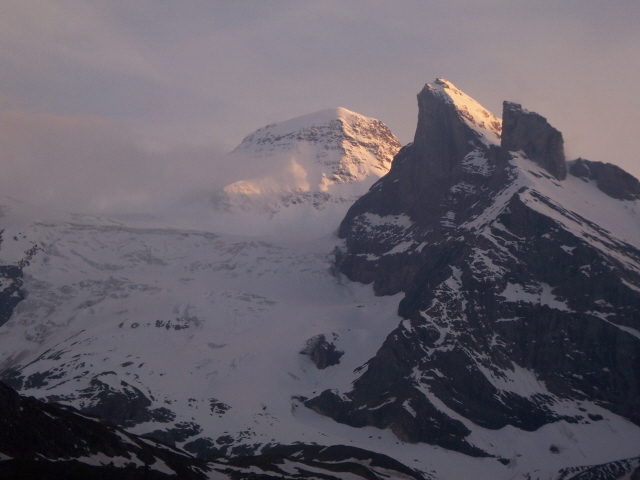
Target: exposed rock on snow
{"type": "Point", "coordinates": [10, 290]}
{"type": "Point", "coordinates": [531, 133]}
{"type": "Point", "coordinates": [322, 353]}
{"type": "Point", "coordinates": [609, 178]}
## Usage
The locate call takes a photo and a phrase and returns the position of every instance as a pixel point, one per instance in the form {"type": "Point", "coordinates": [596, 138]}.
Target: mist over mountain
{"type": "Point", "coordinates": [335, 306]}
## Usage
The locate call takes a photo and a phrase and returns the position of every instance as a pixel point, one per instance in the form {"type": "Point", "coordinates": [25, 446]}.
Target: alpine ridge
{"type": "Point", "coordinates": [477, 314]}
{"type": "Point", "coordinates": [522, 300]}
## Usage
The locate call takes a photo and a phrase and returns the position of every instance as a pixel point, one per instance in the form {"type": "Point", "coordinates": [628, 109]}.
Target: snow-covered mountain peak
{"type": "Point", "coordinates": [330, 157]}
{"type": "Point", "coordinates": [310, 120]}
{"type": "Point", "coordinates": [334, 145]}
{"type": "Point", "coordinates": [475, 115]}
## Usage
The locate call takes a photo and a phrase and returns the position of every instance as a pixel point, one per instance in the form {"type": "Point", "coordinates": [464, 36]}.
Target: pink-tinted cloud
{"type": "Point", "coordinates": [91, 163]}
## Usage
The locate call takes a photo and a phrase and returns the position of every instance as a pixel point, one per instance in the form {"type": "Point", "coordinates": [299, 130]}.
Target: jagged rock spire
{"type": "Point", "coordinates": [531, 133]}
{"type": "Point", "coordinates": [451, 126]}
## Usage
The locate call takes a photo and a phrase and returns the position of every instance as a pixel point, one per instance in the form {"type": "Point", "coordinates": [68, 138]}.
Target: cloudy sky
{"type": "Point", "coordinates": [112, 103]}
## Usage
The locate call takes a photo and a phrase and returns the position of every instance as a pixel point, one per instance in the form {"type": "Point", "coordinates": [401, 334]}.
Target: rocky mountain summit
{"type": "Point", "coordinates": [521, 284]}
{"type": "Point", "coordinates": [531, 133]}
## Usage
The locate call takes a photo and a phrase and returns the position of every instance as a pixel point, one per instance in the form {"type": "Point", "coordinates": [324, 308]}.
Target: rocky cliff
{"type": "Point", "coordinates": [521, 285]}
{"type": "Point", "coordinates": [530, 133]}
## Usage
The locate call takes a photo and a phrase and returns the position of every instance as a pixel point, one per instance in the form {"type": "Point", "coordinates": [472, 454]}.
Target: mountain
{"type": "Point", "coordinates": [306, 170]}
{"type": "Point", "coordinates": [475, 317]}
{"type": "Point", "coordinates": [521, 283]}
{"type": "Point", "coordinates": [328, 148]}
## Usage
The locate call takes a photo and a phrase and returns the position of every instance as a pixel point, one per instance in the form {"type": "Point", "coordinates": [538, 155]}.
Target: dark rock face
{"type": "Point", "coordinates": [428, 167]}
{"type": "Point", "coordinates": [125, 408]}
{"type": "Point", "coordinates": [514, 305]}
{"type": "Point", "coordinates": [11, 293]}
{"type": "Point", "coordinates": [411, 203]}
{"type": "Point", "coordinates": [321, 352]}
{"type": "Point", "coordinates": [45, 440]}
{"type": "Point", "coordinates": [609, 178]}
{"type": "Point", "coordinates": [325, 354]}
{"type": "Point", "coordinates": [531, 133]}
{"type": "Point", "coordinates": [441, 142]}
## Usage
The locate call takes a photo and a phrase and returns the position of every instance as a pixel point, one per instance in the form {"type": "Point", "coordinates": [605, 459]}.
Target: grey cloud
{"type": "Point", "coordinates": [87, 163]}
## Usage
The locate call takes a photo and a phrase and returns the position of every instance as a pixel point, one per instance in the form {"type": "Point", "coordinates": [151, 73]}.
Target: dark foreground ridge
{"type": "Point", "coordinates": [46, 441]}
{"type": "Point", "coordinates": [42, 441]}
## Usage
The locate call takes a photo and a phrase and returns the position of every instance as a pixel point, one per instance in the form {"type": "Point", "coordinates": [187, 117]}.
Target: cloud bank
{"type": "Point", "coordinates": [87, 163]}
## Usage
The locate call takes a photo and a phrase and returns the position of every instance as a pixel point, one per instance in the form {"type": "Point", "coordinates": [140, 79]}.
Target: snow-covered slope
{"type": "Point", "coordinates": [186, 332]}
{"type": "Point", "coordinates": [197, 337]}
{"type": "Point", "coordinates": [192, 321]}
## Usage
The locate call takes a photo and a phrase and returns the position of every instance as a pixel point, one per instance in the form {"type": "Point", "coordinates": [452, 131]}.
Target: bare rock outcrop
{"type": "Point", "coordinates": [609, 178]}
{"type": "Point", "coordinates": [531, 133]}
